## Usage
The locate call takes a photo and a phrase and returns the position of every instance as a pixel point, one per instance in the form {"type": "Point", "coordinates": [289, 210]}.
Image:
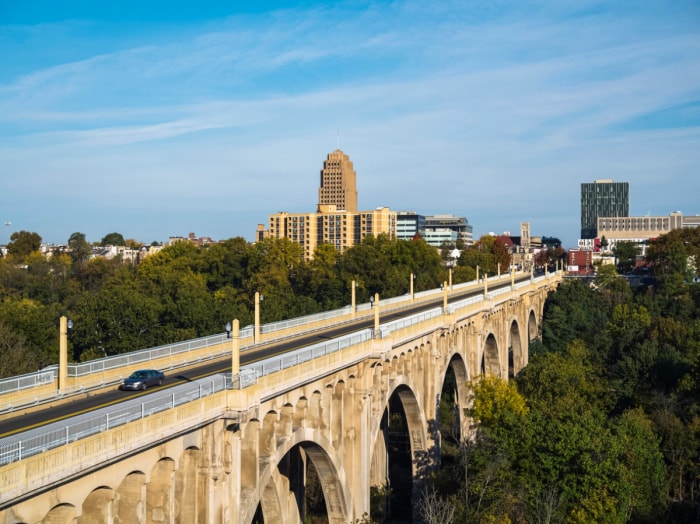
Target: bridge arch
{"type": "Point", "coordinates": [60, 514]}
{"type": "Point", "coordinates": [158, 495]}
{"type": "Point", "coordinates": [128, 503]}
{"type": "Point", "coordinates": [282, 479]}
{"type": "Point", "coordinates": [97, 506]}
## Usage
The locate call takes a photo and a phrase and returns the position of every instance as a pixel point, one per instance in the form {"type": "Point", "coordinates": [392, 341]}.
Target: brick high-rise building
{"type": "Point", "coordinates": [338, 183]}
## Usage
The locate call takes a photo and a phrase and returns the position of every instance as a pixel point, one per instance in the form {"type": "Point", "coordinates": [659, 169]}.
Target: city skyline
{"type": "Point", "coordinates": [162, 119]}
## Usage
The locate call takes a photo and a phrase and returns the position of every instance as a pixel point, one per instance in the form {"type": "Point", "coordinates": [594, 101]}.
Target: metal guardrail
{"type": "Point", "coordinates": [300, 321]}
{"type": "Point", "coordinates": [44, 438]}
{"type": "Point", "coordinates": [135, 357]}
{"type": "Point", "coordinates": [30, 380]}
{"type": "Point", "coordinates": [299, 356]}
{"type": "Point", "coordinates": [38, 440]}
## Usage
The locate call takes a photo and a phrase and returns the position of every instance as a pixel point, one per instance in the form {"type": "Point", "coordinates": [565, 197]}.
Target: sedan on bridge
{"type": "Point", "coordinates": [143, 378]}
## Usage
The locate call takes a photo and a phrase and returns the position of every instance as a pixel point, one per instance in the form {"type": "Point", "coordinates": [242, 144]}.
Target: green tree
{"type": "Point", "coordinates": [17, 357]}
{"type": "Point", "coordinates": [643, 466]}
{"type": "Point", "coordinates": [35, 326]}
{"type": "Point", "coordinates": [119, 319]}
{"type": "Point", "coordinates": [79, 248]}
{"type": "Point", "coordinates": [675, 258]}
{"type": "Point", "coordinates": [626, 254]}
{"type": "Point", "coordinates": [488, 254]}
{"type": "Point", "coordinates": [22, 243]}
{"type": "Point", "coordinates": [226, 263]}
{"type": "Point", "coordinates": [113, 239]}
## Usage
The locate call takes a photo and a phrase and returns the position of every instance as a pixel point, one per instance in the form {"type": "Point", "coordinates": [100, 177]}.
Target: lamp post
{"type": "Point", "coordinates": [64, 326]}
{"type": "Point", "coordinates": [443, 286]}
{"type": "Point", "coordinates": [374, 302]}
{"type": "Point", "coordinates": [450, 273]}
{"type": "Point", "coordinates": [354, 286]}
{"type": "Point", "coordinates": [233, 332]}
{"type": "Point", "coordinates": [412, 280]}
{"type": "Point", "coordinates": [256, 332]}
{"type": "Point", "coordinates": [486, 285]}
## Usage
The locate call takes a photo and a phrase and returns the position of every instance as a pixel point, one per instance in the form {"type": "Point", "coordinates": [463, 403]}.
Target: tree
{"type": "Point", "coordinates": [674, 258]}
{"type": "Point", "coordinates": [626, 254]}
{"type": "Point", "coordinates": [113, 239]}
{"type": "Point", "coordinates": [17, 357]}
{"type": "Point", "coordinates": [22, 243]}
{"type": "Point", "coordinates": [488, 254]}
{"type": "Point", "coordinates": [79, 248]}
{"type": "Point", "coordinates": [435, 509]}
{"type": "Point", "coordinates": [605, 274]}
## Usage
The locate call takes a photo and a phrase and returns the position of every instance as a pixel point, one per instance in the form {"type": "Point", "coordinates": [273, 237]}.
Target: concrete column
{"type": "Point", "coordinates": [444, 297]}
{"type": "Point", "coordinates": [477, 273]}
{"type": "Point", "coordinates": [62, 354]}
{"type": "Point", "coordinates": [376, 315]}
{"type": "Point", "coordinates": [486, 285]}
{"type": "Point", "coordinates": [411, 284]}
{"type": "Point", "coordinates": [235, 348]}
{"type": "Point", "coordinates": [233, 461]}
{"type": "Point", "coordinates": [450, 272]}
{"type": "Point", "coordinates": [256, 332]}
{"type": "Point", "coordinates": [353, 304]}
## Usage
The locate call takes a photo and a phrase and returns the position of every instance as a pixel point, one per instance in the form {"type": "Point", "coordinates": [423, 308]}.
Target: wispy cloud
{"type": "Point", "coordinates": [485, 103]}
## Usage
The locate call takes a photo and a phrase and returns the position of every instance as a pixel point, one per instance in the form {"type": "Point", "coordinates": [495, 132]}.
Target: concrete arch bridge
{"type": "Point", "coordinates": [249, 453]}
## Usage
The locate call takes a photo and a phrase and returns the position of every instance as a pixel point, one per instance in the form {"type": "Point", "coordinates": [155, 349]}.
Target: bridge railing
{"type": "Point", "coordinates": [299, 356]}
{"type": "Point", "coordinates": [44, 438]}
{"type": "Point", "coordinates": [300, 321]}
{"type": "Point", "coordinates": [146, 355]}
{"type": "Point", "coordinates": [30, 380]}
{"type": "Point", "coordinates": [43, 380]}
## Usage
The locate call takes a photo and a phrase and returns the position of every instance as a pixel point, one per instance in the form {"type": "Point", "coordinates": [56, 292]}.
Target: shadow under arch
{"type": "Point", "coordinates": [533, 331]}
{"type": "Point", "coordinates": [517, 356]}
{"type": "Point", "coordinates": [490, 363]}
{"type": "Point", "coordinates": [401, 460]}
{"type": "Point", "coordinates": [451, 417]}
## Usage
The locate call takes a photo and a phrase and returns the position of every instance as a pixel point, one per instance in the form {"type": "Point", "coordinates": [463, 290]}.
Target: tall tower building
{"type": "Point", "coordinates": [338, 184]}
{"type": "Point", "coordinates": [602, 198]}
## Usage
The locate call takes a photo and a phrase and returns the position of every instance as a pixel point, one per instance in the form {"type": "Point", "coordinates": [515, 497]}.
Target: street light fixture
{"type": "Point", "coordinates": [227, 327]}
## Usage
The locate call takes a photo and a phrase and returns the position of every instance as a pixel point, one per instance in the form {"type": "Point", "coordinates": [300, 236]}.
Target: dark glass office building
{"type": "Point", "coordinates": [602, 198]}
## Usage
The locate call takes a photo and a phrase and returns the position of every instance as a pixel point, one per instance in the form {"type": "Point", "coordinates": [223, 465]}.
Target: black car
{"type": "Point", "coordinates": [143, 378]}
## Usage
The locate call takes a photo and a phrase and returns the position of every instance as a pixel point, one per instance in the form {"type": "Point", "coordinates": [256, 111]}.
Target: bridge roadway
{"type": "Point", "coordinates": [24, 420]}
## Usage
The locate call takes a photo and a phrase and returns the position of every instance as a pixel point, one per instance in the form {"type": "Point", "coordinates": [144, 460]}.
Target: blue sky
{"type": "Point", "coordinates": [156, 119]}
